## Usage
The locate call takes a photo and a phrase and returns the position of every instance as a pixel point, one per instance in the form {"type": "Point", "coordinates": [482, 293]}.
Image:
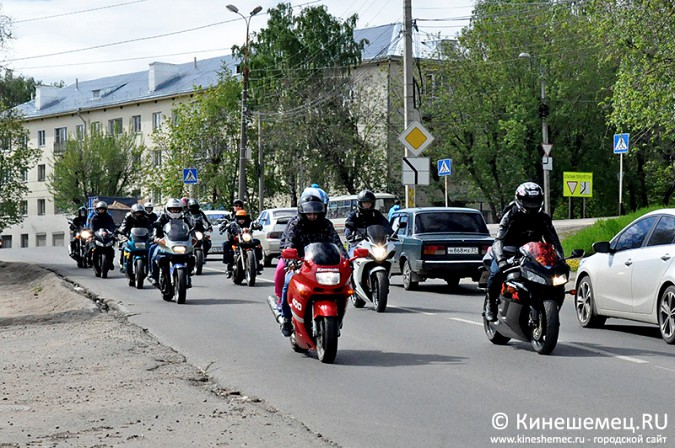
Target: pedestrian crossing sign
{"type": "Point", "coordinates": [621, 143]}
{"type": "Point", "coordinates": [190, 175]}
{"type": "Point", "coordinates": [445, 167]}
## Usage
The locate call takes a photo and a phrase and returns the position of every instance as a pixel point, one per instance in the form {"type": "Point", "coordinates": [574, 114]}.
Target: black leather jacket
{"type": "Point", "coordinates": [301, 232]}
{"type": "Point", "coordinates": [359, 220]}
{"type": "Point", "coordinates": [131, 221]}
{"type": "Point", "coordinates": [517, 228]}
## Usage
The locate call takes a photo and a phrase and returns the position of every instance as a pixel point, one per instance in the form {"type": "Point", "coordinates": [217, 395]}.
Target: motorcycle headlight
{"type": "Point", "coordinates": [379, 252]}
{"type": "Point", "coordinates": [179, 249]}
{"type": "Point", "coordinates": [328, 278]}
{"type": "Point", "coordinates": [559, 279]}
{"type": "Point", "coordinates": [536, 278]}
{"type": "Point", "coordinates": [199, 235]}
{"type": "Point", "coordinates": [140, 245]}
{"type": "Point", "coordinates": [85, 234]}
{"type": "Point", "coordinates": [246, 237]}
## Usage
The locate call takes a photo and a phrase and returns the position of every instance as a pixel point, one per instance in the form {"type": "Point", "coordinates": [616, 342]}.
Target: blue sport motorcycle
{"type": "Point", "coordinates": [135, 252]}
{"type": "Point", "coordinates": [175, 260]}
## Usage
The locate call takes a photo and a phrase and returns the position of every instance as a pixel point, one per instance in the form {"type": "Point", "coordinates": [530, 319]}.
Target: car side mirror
{"type": "Point", "coordinates": [402, 225]}
{"type": "Point", "coordinates": [601, 247]}
{"type": "Point", "coordinates": [292, 254]}
{"type": "Point", "coordinates": [577, 253]}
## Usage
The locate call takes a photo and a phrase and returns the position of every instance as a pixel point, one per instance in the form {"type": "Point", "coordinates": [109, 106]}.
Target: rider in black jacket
{"type": "Point", "coordinates": [200, 223]}
{"type": "Point", "coordinates": [523, 222]}
{"type": "Point", "coordinates": [137, 217]}
{"type": "Point", "coordinates": [365, 215]}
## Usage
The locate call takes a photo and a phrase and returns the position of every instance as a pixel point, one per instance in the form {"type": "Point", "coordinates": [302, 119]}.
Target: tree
{"type": "Point", "coordinates": [204, 135]}
{"type": "Point", "coordinates": [15, 160]}
{"type": "Point", "coordinates": [100, 164]}
{"type": "Point", "coordinates": [16, 90]}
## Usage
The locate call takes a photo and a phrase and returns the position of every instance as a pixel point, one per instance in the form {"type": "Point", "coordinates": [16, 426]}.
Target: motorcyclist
{"type": "Point", "coordinates": [237, 205]}
{"type": "Point", "coordinates": [101, 220]}
{"type": "Point", "coordinates": [242, 220]}
{"type": "Point", "coordinates": [172, 210]}
{"type": "Point", "coordinates": [310, 227]}
{"type": "Point", "coordinates": [149, 207]}
{"type": "Point", "coordinates": [77, 223]}
{"type": "Point", "coordinates": [200, 222]}
{"type": "Point", "coordinates": [523, 222]}
{"type": "Point", "coordinates": [365, 215]}
{"type": "Point", "coordinates": [136, 217]}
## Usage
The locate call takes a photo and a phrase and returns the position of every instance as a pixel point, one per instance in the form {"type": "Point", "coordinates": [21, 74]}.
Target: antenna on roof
{"type": "Point", "coordinates": [195, 61]}
{"type": "Point", "coordinates": [77, 84]}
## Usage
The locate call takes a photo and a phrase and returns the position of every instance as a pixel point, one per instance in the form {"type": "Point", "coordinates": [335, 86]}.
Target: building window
{"type": "Point", "coordinates": [136, 124]}
{"type": "Point", "coordinates": [24, 208]}
{"type": "Point", "coordinates": [60, 136]}
{"type": "Point", "coordinates": [41, 173]}
{"type": "Point", "coordinates": [24, 175]}
{"type": "Point", "coordinates": [79, 132]}
{"type": "Point", "coordinates": [42, 207]}
{"type": "Point", "coordinates": [174, 117]}
{"type": "Point", "coordinates": [157, 158]}
{"type": "Point", "coordinates": [6, 241]}
{"type": "Point", "coordinates": [40, 239]}
{"type": "Point", "coordinates": [156, 120]}
{"type": "Point", "coordinates": [58, 239]}
{"type": "Point", "coordinates": [115, 126]}
{"type": "Point", "coordinates": [41, 138]}
{"type": "Point", "coordinates": [95, 127]}
{"type": "Point", "coordinates": [24, 240]}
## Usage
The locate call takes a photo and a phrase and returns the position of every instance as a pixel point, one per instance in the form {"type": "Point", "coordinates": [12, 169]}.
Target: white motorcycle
{"type": "Point", "coordinates": [370, 277]}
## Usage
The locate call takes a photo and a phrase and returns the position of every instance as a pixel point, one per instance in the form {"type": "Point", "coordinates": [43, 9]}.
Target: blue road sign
{"type": "Point", "coordinates": [445, 167]}
{"type": "Point", "coordinates": [190, 175]}
{"type": "Point", "coordinates": [621, 143]}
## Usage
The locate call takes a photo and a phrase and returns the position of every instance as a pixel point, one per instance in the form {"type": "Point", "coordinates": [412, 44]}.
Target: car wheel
{"type": "Point", "coordinates": [666, 312]}
{"type": "Point", "coordinates": [453, 281]}
{"type": "Point", "coordinates": [267, 260]}
{"type": "Point", "coordinates": [585, 305]}
{"type": "Point", "coordinates": [408, 282]}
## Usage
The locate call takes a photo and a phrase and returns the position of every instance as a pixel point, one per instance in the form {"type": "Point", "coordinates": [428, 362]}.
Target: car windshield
{"type": "Point", "coordinates": [377, 234]}
{"type": "Point", "coordinates": [177, 230]}
{"type": "Point", "coordinates": [450, 222]}
{"type": "Point", "coordinates": [323, 254]}
{"type": "Point", "coordinates": [289, 212]}
{"type": "Point", "coordinates": [216, 218]}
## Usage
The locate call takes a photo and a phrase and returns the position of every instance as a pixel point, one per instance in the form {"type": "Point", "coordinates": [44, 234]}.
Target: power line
{"type": "Point", "coordinates": [77, 12]}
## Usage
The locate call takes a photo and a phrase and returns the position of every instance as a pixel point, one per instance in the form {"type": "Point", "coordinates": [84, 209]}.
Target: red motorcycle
{"type": "Point", "coordinates": [318, 294]}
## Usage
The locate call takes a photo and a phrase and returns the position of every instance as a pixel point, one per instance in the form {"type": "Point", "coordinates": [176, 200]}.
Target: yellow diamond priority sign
{"type": "Point", "coordinates": [416, 138]}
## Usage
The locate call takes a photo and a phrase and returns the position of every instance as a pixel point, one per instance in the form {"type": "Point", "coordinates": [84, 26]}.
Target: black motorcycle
{"type": "Point", "coordinates": [530, 297]}
{"type": "Point", "coordinates": [202, 245]}
{"type": "Point", "coordinates": [102, 252]}
{"type": "Point", "coordinates": [245, 263]}
{"type": "Point", "coordinates": [79, 245]}
{"type": "Point", "coordinates": [175, 260]}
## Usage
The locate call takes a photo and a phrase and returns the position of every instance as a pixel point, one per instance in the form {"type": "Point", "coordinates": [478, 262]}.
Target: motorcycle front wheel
{"type": "Point", "coordinates": [545, 335]}
{"type": "Point", "coordinates": [165, 286]}
{"type": "Point", "coordinates": [251, 270]}
{"type": "Point", "coordinates": [379, 287]}
{"type": "Point", "coordinates": [105, 264]}
{"type": "Point", "coordinates": [180, 285]}
{"type": "Point", "coordinates": [199, 262]}
{"type": "Point", "coordinates": [238, 271]}
{"type": "Point", "coordinates": [139, 271]}
{"type": "Point", "coordinates": [327, 339]}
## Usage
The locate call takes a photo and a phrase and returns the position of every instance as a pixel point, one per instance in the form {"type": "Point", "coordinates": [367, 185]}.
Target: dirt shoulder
{"type": "Point", "coordinates": [75, 373]}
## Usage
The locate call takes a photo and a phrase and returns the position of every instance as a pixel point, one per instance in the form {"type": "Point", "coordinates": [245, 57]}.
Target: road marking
{"type": "Point", "coordinates": [606, 353]}
{"type": "Point", "coordinates": [412, 310]}
{"type": "Point", "coordinates": [466, 321]}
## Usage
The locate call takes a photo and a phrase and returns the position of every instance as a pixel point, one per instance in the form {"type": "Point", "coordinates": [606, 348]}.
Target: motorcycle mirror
{"type": "Point", "coordinates": [291, 254]}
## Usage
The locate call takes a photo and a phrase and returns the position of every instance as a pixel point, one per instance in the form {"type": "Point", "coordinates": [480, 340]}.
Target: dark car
{"type": "Point", "coordinates": [439, 242]}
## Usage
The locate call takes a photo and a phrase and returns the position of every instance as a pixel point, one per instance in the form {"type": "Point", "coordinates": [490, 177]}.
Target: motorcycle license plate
{"type": "Point", "coordinates": [139, 245]}
{"type": "Point", "coordinates": [462, 251]}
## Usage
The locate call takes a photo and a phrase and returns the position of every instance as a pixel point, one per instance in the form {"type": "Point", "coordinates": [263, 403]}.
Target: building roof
{"type": "Point", "coordinates": [163, 80]}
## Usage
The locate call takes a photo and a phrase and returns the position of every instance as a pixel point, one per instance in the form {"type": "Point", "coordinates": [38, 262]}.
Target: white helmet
{"type": "Point", "coordinates": [174, 208]}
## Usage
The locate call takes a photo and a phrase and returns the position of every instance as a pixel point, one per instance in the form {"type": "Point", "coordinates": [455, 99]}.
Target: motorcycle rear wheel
{"type": "Point", "coordinates": [180, 285]}
{"type": "Point", "coordinates": [327, 339]}
{"type": "Point", "coordinates": [379, 287]}
{"type": "Point", "coordinates": [491, 332]}
{"type": "Point", "coordinates": [251, 270]}
{"type": "Point", "coordinates": [139, 270]}
{"type": "Point", "coordinates": [549, 327]}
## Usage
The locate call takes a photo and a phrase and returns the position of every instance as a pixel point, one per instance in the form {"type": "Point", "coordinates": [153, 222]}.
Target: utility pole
{"type": "Point", "coordinates": [261, 166]}
{"type": "Point", "coordinates": [408, 86]}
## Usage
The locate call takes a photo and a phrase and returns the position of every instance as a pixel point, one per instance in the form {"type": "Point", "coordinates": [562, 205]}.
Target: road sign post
{"type": "Point", "coordinates": [445, 169]}
{"type": "Point", "coordinates": [415, 138]}
{"type": "Point", "coordinates": [621, 146]}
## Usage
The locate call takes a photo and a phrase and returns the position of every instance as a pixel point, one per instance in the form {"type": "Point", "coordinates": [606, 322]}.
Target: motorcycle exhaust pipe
{"type": "Point", "coordinates": [272, 302]}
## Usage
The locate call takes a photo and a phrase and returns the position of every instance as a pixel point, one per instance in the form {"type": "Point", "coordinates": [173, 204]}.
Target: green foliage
{"type": "Point", "coordinates": [16, 90]}
{"type": "Point", "coordinates": [204, 135]}
{"type": "Point", "coordinates": [602, 230]}
{"type": "Point", "coordinates": [15, 160]}
{"type": "Point", "coordinates": [100, 164]}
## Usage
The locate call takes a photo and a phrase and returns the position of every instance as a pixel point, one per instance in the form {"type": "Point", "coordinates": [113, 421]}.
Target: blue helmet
{"type": "Point", "coordinates": [314, 190]}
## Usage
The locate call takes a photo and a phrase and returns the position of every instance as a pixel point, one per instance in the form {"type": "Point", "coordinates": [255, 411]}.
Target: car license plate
{"type": "Point", "coordinates": [462, 251]}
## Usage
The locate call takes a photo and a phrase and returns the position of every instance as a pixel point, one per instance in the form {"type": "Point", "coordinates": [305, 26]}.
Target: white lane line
{"type": "Point", "coordinates": [412, 310]}
{"type": "Point", "coordinates": [466, 321]}
{"type": "Point", "coordinates": [606, 353]}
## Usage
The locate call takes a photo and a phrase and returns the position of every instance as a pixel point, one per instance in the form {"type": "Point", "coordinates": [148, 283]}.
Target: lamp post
{"type": "Point", "coordinates": [543, 113]}
{"type": "Point", "coordinates": [244, 97]}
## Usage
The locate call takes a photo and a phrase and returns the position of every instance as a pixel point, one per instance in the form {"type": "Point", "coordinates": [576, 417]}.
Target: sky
{"type": "Point", "coordinates": [65, 40]}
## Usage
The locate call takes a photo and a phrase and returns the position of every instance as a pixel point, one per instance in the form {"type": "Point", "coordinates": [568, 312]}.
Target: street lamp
{"type": "Point", "coordinates": [543, 113]}
{"type": "Point", "coordinates": [244, 97]}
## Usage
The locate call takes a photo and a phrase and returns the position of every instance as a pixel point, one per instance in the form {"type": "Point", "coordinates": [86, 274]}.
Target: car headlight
{"type": "Point", "coordinates": [246, 237]}
{"type": "Point", "coordinates": [328, 278]}
{"type": "Point", "coordinates": [379, 252]}
{"type": "Point", "coordinates": [179, 249]}
{"type": "Point", "coordinates": [559, 279]}
{"type": "Point", "coordinates": [536, 278]}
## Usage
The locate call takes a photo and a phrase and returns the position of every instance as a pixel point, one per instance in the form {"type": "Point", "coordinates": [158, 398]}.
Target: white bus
{"type": "Point", "coordinates": [340, 206]}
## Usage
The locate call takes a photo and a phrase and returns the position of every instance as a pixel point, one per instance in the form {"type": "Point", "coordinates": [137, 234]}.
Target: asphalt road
{"type": "Point", "coordinates": [422, 374]}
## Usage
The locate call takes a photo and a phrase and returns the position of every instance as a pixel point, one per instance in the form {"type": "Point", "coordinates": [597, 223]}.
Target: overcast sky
{"type": "Point", "coordinates": [61, 40]}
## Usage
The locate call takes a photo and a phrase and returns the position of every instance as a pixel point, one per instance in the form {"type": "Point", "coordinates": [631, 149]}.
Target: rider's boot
{"type": "Point", "coordinates": [286, 327]}
{"type": "Point", "coordinates": [229, 270]}
{"type": "Point", "coordinates": [491, 310]}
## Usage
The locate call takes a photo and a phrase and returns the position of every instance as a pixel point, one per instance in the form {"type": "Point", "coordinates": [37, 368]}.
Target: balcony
{"type": "Point", "coordinates": [59, 148]}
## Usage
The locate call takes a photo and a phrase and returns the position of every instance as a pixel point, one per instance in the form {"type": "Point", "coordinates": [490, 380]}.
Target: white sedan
{"type": "Point", "coordinates": [632, 276]}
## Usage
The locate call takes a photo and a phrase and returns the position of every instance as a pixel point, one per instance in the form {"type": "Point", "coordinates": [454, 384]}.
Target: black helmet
{"type": "Point", "coordinates": [82, 211]}
{"type": "Point", "coordinates": [238, 203]}
{"type": "Point", "coordinates": [193, 205]}
{"type": "Point", "coordinates": [366, 196]}
{"type": "Point", "coordinates": [529, 197]}
{"type": "Point", "coordinates": [310, 204]}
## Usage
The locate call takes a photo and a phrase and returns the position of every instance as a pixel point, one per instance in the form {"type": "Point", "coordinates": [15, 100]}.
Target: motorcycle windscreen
{"type": "Point", "coordinates": [139, 233]}
{"type": "Point", "coordinates": [322, 254]}
{"type": "Point", "coordinates": [177, 230]}
{"type": "Point", "coordinates": [377, 234]}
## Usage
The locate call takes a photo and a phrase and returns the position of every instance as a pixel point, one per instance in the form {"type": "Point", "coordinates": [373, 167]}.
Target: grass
{"type": "Point", "coordinates": [602, 230]}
